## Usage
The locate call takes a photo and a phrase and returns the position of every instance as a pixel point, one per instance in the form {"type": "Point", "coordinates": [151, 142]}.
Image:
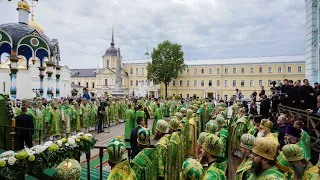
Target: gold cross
{"type": "Point", "coordinates": [32, 7]}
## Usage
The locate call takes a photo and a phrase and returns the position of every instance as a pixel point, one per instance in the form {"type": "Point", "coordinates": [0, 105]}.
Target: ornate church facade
{"type": "Point", "coordinates": [31, 65]}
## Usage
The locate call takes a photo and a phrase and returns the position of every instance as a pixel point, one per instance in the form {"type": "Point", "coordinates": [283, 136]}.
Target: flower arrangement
{"type": "Point", "coordinates": [14, 165]}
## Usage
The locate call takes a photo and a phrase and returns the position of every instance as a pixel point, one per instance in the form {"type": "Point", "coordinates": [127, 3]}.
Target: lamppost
{"type": "Point", "coordinates": [36, 91]}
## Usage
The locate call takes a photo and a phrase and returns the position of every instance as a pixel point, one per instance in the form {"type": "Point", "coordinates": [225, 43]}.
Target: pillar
{"type": "Point", "coordinates": [41, 75]}
{"type": "Point", "coordinates": [13, 75]}
{"type": "Point", "coordinates": [58, 68]}
{"type": "Point", "coordinates": [50, 66]}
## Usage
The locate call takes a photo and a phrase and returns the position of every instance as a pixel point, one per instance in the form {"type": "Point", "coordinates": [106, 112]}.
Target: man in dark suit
{"type": "Point", "coordinates": [134, 136]}
{"type": "Point", "coordinates": [26, 121]}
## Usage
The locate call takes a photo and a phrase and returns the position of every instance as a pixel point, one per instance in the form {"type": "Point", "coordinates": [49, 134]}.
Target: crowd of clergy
{"type": "Point", "coordinates": [192, 140]}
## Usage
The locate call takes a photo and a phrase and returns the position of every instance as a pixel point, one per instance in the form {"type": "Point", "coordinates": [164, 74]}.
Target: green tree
{"type": "Point", "coordinates": [167, 63]}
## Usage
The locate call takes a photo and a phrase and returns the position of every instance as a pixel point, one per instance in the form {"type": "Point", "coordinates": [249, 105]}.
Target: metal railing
{"type": "Point", "coordinates": [101, 148]}
{"type": "Point", "coordinates": [313, 124]}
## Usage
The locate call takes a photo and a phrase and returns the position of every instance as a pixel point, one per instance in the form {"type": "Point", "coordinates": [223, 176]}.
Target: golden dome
{"type": "Point", "coordinates": [34, 24]}
{"type": "Point", "coordinates": [23, 5]}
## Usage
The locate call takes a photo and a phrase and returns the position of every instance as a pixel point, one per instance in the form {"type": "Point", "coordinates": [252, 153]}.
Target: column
{"type": "Point", "coordinates": [13, 75]}
{"type": "Point", "coordinates": [58, 68]}
{"type": "Point", "coordinates": [41, 75]}
{"type": "Point", "coordinates": [50, 66]}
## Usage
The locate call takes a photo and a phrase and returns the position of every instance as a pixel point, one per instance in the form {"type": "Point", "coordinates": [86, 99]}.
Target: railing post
{"type": "Point", "coordinates": [88, 165]}
{"type": "Point", "coordinates": [101, 156]}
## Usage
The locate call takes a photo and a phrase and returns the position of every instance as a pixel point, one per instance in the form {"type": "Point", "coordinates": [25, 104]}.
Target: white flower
{"type": "Point", "coordinates": [71, 141]}
{"type": "Point", "coordinates": [11, 160]}
{"type": "Point", "coordinates": [80, 134]}
{"type": "Point", "coordinates": [89, 135]}
{"type": "Point", "coordinates": [48, 143]}
{"type": "Point", "coordinates": [73, 137]}
{"type": "Point", "coordinates": [59, 143]}
{"type": "Point", "coordinates": [66, 144]}
{"type": "Point", "coordinates": [29, 151]}
{"type": "Point", "coordinates": [39, 149]}
{"type": "Point", "coordinates": [6, 154]}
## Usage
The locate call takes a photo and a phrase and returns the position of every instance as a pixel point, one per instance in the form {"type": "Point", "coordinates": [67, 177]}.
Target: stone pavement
{"type": "Point", "coordinates": [104, 138]}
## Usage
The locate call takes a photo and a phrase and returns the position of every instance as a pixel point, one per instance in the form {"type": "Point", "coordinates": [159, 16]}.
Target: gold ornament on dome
{"type": "Point", "coordinates": [23, 5]}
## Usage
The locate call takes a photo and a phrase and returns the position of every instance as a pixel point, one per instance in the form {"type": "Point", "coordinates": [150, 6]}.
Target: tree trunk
{"type": "Point", "coordinates": [166, 91]}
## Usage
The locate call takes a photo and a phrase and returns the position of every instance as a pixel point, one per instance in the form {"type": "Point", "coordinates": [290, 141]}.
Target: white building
{"type": "Point", "coordinates": [312, 44]}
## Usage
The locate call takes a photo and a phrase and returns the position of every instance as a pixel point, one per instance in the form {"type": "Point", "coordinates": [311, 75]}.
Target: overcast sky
{"type": "Point", "coordinates": [205, 28]}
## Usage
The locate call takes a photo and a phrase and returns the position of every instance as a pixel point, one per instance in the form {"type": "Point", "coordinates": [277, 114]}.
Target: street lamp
{"type": "Point", "coordinates": [36, 91]}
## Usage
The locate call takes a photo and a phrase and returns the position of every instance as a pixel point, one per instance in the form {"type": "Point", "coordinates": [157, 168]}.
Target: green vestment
{"type": "Point", "coordinates": [76, 119]}
{"type": "Point", "coordinates": [270, 173]}
{"type": "Point", "coordinates": [122, 171]}
{"type": "Point", "coordinates": [175, 160]}
{"type": "Point", "coordinates": [145, 164]}
{"type": "Point", "coordinates": [304, 143]}
{"type": "Point", "coordinates": [85, 115]}
{"type": "Point", "coordinates": [38, 124]}
{"type": "Point", "coordinates": [53, 118]}
{"type": "Point", "coordinates": [243, 172]}
{"type": "Point", "coordinates": [163, 156]}
{"type": "Point", "coordinates": [157, 116]}
{"type": "Point", "coordinates": [130, 123]}
{"type": "Point", "coordinates": [214, 173]}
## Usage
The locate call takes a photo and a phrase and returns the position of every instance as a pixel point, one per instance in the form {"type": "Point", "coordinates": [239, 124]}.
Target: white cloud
{"type": "Point", "coordinates": [204, 28]}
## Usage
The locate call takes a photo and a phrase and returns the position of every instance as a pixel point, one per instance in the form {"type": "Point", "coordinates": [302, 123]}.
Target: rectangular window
{"type": "Point", "coordinates": [226, 97]}
{"type": "Point", "coordinates": [299, 69]}
{"type": "Point", "coordinates": [131, 71]}
{"type": "Point", "coordinates": [187, 95]}
{"type": "Point", "coordinates": [218, 70]}
{"type": "Point", "coordinates": [260, 83]}
{"type": "Point", "coordinates": [195, 71]}
{"type": "Point", "coordinates": [188, 70]}
{"type": "Point", "coordinates": [72, 82]}
{"type": "Point", "coordinates": [131, 83]}
{"type": "Point", "coordinates": [106, 82]}
{"type": "Point", "coordinates": [242, 83]}
{"type": "Point", "coordinates": [142, 82]}
{"type": "Point", "coordinates": [234, 83]}
{"type": "Point", "coordinates": [173, 82]}
{"type": "Point", "coordinates": [202, 71]}
{"type": "Point", "coordinates": [278, 82]}
{"type": "Point", "coordinates": [226, 70]}
{"type": "Point", "coordinates": [218, 82]}
{"type": "Point", "coordinates": [180, 83]}
{"type": "Point", "coordinates": [137, 83]}
{"type": "Point", "coordinates": [195, 83]}
{"type": "Point", "coordinates": [251, 70]}
{"type": "Point", "coordinates": [289, 69]}
{"type": "Point", "coordinates": [87, 85]}
{"type": "Point", "coordinates": [234, 70]}
{"type": "Point", "coordinates": [142, 70]}
{"type": "Point", "coordinates": [79, 83]}
{"type": "Point", "coordinates": [226, 83]}
{"type": "Point", "coordinates": [279, 69]}
{"type": "Point", "coordinates": [92, 84]}
{"type": "Point", "coordinates": [210, 83]}
{"type": "Point", "coordinates": [260, 69]}
{"type": "Point", "coordinates": [242, 70]}
{"type": "Point", "coordinates": [251, 83]}
{"type": "Point", "coordinates": [202, 83]}
{"type": "Point", "coordinates": [188, 83]}
{"type": "Point", "coordinates": [137, 71]}
{"type": "Point", "coordinates": [269, 82]}
{"type": "Point", "coordinates": [210, 71]}
{"type": "Point", "coordinates": [269, 69]}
